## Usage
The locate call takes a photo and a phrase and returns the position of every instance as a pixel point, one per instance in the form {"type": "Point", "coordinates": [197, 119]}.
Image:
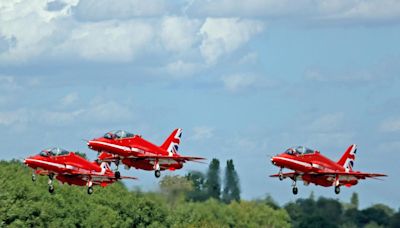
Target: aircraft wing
{"type": "Point", "coordinates": [358, 175]}
{"type": "Point", "coordinates": [290, 174]}
{"type": "Point", "coordinates": [42, 172]}
{"type": "Point", "coordinates": [164, 157]}
{"type": "Point", "coordinates": [97, 175]}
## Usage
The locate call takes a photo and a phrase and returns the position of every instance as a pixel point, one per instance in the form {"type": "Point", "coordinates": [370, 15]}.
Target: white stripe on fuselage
{"type": "Point", "coordinates": [125, 148]}
{"type": "Point", "coordinates": [305, 164]}
{"type": "Point", "coordinates": [46, 162]}
{"type": "Point", "coordinates": [70, 167]}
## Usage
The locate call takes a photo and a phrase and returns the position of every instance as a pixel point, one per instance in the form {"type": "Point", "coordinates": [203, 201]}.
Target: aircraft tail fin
{"type": "Point", "coordinates": [104, 167]}
{"type": "Point", "coordinates": [172, 143]}
{"type": "Point", "coordinates": [347, 160]}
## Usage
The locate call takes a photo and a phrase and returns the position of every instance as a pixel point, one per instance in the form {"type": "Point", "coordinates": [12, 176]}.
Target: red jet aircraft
{"type": "Point", "coordinates": [312, 167]}
{"type": "Point", "coordinates": [67, 167]}
{"type": "Point", "coordinates": [134, 151]}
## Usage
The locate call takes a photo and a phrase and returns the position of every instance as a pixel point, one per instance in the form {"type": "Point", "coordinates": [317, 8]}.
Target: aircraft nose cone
{"type": "Point", "coordinates": [273, 160]}
{"type": "Point", "coordinates": [90, 143]}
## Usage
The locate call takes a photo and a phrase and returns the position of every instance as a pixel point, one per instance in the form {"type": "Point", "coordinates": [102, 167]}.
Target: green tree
{"type": "Point", "coordinates": [213, 180]}
{"type": "Point", "coordinates": [82, 154]}
{"type": "Point", "coordinates": [175, 188]}
{"type": "Point", "coordinates": [378, 214]}
{"type": "Point", "coordinates": [354, 200]}
{"type": "Point", "coordinates": [199, 192]}
{"type": "Point", "coordinates": [231, 183]}
{"type": "Point", "coordinates": [395, 220]}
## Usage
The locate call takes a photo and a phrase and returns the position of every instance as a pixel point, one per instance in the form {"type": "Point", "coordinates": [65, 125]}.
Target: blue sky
{"type": "Point", "coordinates": [244, 79]}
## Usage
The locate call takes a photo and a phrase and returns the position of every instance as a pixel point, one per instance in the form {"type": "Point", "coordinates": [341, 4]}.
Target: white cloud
{"type": "Point", "coordinates": [224, 35]}
{"type": "Point", "coordinates": [57, 118]}
{"type": "Point", "coordinates": [181, 68]}
{"type": "Point", "coordinates": [16, 117]}
{"type": "Point", "coordinates": [239, 82]}
{"type": "Point", "coordinates": [327, 130]}
{"type": "Point", "coordinates": [202, 133]}
{"type": "Point", "coordinates": [384, 71]}
{"type": "Point", "coordinates": [330, 139]}
{"type": "Point", "coordinates": [119, 32]}
{"type": "Point", "coordinates": [337, 11]}
{"type": "Point", "coordinates": [179, 34]}
{"type": "Point", "coordinates": [249, 58]}
{"type": "Point", "coordinates": [121, 9]}
{"type": "Point", "coordinates": [327, 123]}
{"type": "Point", "coordinates": [69, 99]}
{"type": "Point", "coordinates": [390, 125]}
{"type": "Point", "coordinates": [111, 111]}
{"type": "Point", "coordinates": [108, 41]}
{"type": "Point", "coordinates": [29, 28]}
{"type": "Point", "coordinates": [8, 83]}
{"type": "Point", "coordinates": [369, 10]}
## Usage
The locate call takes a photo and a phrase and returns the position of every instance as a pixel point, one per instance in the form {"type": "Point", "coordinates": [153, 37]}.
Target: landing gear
{"type": "Point", "coordinates": [50, 183]}
{"type": "Point", "coordinates": [117, 175]}
{"type": "Point", "coordinates": [280, 174]}
{"type": "Point", "coordinates": [295, 190]}
{"type": "Point", "coordinates": [157, 173]}
{"type": "Point", "coordinates": [90, 190]}
{"type": "Point", "coordinates": [337, 185]}
{"type": "Point", "coordinates": [337, 189]}
{"type": "Point", "coordinates": [51, 188]}
{"type": "Point", "coordinates": [33, 177]}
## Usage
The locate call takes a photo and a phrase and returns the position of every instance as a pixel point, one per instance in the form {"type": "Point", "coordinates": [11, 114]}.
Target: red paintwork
{"type": "Point", "coordinates": [320, 170]}
{"type": "Point", "coordinates": [134, 151]}
{"type": "Point", "coordinates": [72, 169]}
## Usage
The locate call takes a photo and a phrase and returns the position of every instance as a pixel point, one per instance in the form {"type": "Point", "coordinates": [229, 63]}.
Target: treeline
{"type": "Point", "coordinates": [329, 213]}
{"type": "Point", "coordinates": [24, 203]}
{"type": "Point", "coordinates": [206, 186]}
{"type": "Point", "coordinates": [195, 200]}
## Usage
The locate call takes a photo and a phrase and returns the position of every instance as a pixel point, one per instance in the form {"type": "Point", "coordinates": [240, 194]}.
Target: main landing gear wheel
{"type": "Point", "coordinates": [90, 190]}
{"type": "Point", "coordinates": [157, 173]}
{"type": "Point", "coordinates": [337, 189]}
{"type": "Point", "coordinates": [117, 174]}
{"type": "Point", "coordinates": [295, 190]}
{"type": "Point", "coordinates": [280, 175]}
{"type": "Point", "coordinates": [33, 177]}
{"type": "Point", "coordinates": [51, 188]}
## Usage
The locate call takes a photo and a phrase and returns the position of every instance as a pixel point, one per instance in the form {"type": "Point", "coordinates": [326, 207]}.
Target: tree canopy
{"type": "Point", "coordinates": [24, 203]}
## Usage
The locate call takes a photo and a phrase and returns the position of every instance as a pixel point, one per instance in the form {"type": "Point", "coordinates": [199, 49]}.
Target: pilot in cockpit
{"type": "Point", "coordinates": [299, 150]}
{"type": "Point", "coordinates": [120, 134]}
{"type": "Point", "coordinates": [55, 151]}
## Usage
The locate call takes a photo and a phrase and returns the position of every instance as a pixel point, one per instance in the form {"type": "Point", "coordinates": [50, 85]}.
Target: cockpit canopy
{"type": "Point", "coordinates": [119, 134]}
{"type": "Point", "coordinates": [299, 150]}
{"type": "Point", "coordinates": [54, 151]}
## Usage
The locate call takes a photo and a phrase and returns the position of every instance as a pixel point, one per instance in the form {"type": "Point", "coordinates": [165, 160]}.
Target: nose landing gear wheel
{"type": "Point", "coordinates": [157, 173]}
{"type": "Point", "coordinates": [117, 174]}
{"type": "Point", "coordinates": [280, 175]}
{"type": "Point", "coordinates": [51, 188]}
{"type": "Point", "coordinates": [33, 177]}
{"type": "Point", "coordinates": [337, 189]}
{"type": "Point", "coordinates": [90, 190]}
{"type": "Point", "coordinates": [295, 190]}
